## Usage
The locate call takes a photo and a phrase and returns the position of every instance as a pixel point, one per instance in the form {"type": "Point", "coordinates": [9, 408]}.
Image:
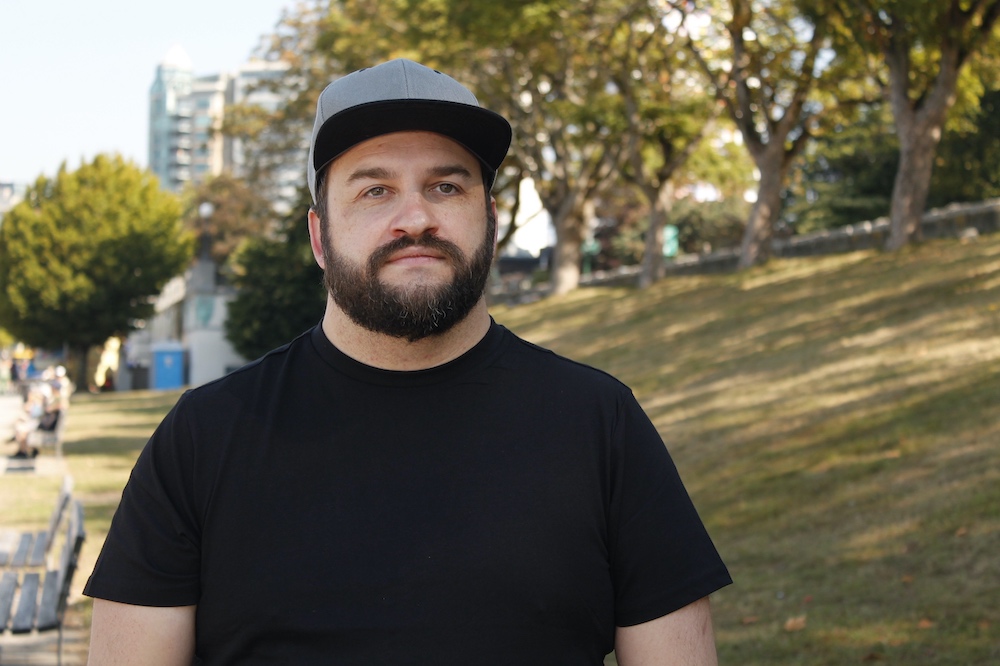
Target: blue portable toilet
{"type": "Point", "coordinates": [168, 365]}
{"type": "Point", "coordinates": [671, 240]}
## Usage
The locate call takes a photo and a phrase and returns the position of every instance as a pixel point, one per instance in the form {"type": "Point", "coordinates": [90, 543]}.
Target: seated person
{"type": "Point", "coordinates": [41, 412]}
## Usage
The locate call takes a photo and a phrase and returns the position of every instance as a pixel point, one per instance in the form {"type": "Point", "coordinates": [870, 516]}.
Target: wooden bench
{"type": "Point", "coordinates": [29, 602]}
{"type": "Point", "coordinates": [30, 548]}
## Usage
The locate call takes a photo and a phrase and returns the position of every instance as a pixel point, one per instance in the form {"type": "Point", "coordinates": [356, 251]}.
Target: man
{"type": "Point", "coordinates": [407, 483]}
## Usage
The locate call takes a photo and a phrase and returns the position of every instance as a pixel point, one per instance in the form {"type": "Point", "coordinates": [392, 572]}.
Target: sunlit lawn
{"type": "Point", "coordinates": [837, 421]}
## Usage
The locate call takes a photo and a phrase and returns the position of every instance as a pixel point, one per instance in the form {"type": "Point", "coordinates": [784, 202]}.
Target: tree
{"type": "Point", "coordinates": [279, 286]}
{"type": "Point", "coordinates": [669, 112]}
{"type": "Point", "coordinates": [84, 254]}
{"type": "Point", "coordinates": [968, 160]}
{"type": "Point", "coordinates": [775, 66]}
{"type": "Point", "coordinates": [237, 212]}
{"type": "Point", "coordinates": [845, 176]}
{"type": "Point", "coordinates": [925, 45]}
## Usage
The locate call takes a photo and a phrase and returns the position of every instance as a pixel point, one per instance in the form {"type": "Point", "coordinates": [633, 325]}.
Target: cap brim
{"type": "Point", "coordinates": [482, 132]}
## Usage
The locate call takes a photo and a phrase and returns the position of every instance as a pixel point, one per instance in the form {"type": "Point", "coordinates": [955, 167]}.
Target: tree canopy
{"type": "Point", "coordinates": [83, 256]}
{"type": "Point", "coordinates": [618, 94]}
{"type": "Point", "coordinates": [236, 211]}
{"type": "Point", "coordinates": [279, 286]}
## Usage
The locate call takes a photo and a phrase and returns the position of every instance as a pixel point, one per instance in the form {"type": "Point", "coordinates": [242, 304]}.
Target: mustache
{"type": "Point", "coordinates": [427, 240]}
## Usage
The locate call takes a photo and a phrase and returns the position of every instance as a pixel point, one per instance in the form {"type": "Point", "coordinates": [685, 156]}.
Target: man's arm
{"type": "Point", "coordinates": [126, 634]}
{"type": "Point", "coordinates": [681, 638]}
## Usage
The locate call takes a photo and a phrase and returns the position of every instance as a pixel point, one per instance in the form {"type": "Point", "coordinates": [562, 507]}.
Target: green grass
{"type": "Point", "coordinates": [836, 419]}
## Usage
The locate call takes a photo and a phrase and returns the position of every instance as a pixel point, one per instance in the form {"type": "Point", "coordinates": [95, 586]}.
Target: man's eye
{"type": "Point", "coordinates": [447, 188]}
{"type": "Point", "coordinates": [376, 191]}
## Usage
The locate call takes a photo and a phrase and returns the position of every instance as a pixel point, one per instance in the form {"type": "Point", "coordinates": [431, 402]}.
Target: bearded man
{"type": "Point", "coordinates": [409, 482]}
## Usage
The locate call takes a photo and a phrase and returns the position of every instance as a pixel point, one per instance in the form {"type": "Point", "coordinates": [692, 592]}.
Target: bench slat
{"type": "Point", "coordinates": [8, 586]}
{"type": "Point", "coordinates": [48, 609]}
{"type": "Point", "coordinates": [40, 548]}
{"type": "Point", "coordinates": [23, 548]}
{"type": "Point", "coordinates": [61, 503]}
{"type": "Point", "coordinates": [24, 618]}
{"type": "Point", "coordinates": [76, 534]}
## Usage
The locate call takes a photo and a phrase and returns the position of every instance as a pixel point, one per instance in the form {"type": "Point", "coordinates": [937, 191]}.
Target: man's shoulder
{"type": "Point", "coordinates": [262, 374]}
{"type": "Point", "coordinates": [538, 360]}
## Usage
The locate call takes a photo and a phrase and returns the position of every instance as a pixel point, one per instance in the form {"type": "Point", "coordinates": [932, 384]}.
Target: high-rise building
{"type": "Point", "coordinates": [249, 85]}
{"type": "Point", "coordinates": [186, 113]}
{"type": "Point", "coordinates": [170, 120]}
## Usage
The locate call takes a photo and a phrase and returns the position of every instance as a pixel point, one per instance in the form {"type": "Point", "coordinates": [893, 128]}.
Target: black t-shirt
{"type": "Point", "coordinates": [510, 506]}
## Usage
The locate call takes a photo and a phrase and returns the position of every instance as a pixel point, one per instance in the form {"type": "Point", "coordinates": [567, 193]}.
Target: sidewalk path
{"type": "Point", "coordinates": [42, 649]}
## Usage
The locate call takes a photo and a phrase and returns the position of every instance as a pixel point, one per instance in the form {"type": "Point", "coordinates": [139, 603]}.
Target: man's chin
{"type": "Point", "coordinates": [421, 278]}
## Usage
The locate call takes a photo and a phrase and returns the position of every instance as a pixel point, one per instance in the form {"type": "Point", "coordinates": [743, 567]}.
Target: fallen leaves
{"type": "Point", "coordinates": [797, 623]}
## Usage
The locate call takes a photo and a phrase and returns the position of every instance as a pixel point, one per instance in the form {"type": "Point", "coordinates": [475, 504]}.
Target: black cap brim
{"type": "Point", "coordinates": [482, 132]}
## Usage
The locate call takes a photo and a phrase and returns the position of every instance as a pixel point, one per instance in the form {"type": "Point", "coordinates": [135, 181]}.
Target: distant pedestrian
{"type": "Point", "coordinates": [6, 374]}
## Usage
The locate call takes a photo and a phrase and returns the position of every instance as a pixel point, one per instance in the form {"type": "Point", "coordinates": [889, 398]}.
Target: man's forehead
{"type": "Point", "coordinates": [368, 154]}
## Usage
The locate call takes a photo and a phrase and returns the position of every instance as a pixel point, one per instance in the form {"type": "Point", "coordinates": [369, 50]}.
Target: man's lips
{"type": "Point", "coordinates": [415, 254]}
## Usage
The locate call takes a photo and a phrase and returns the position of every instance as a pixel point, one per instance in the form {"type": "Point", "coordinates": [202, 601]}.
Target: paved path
{"type": "Point", "coordinates": [43, 649]}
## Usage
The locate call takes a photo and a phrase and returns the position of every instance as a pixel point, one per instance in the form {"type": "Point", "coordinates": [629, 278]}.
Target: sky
{"type": "Point", "coordinates": [75, 74]}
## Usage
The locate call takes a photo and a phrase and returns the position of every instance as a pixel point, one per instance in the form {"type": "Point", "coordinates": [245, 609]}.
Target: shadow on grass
{"type": "Point", "coordinates": [835, 420]}
{"type": "Point", "coordinates": [126, 447]}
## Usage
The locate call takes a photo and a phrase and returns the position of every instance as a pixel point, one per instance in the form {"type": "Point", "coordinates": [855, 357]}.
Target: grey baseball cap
{"type": "Point", "coordinates": [397, 96]}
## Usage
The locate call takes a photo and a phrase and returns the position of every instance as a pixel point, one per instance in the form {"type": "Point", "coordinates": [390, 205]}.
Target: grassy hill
{"type": "Point", "coordinates": [837, 421]}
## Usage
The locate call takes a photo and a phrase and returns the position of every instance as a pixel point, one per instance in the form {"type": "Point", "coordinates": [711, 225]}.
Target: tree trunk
{"type": "Point", "coordinates": [566, 262]}
{"type": "Point", "coordinates": [919, 126]}
{"type": "Point", "coordinates": [77, 367]}
{"type": "Point", "coordinates": [910, 189]}
{"type": "Point", "coordinates": [652, 257]}
{"type": "Point", "coordinates": [757, 235]}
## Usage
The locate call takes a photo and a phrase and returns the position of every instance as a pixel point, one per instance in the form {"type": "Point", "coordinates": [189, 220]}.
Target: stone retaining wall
{"type": "Point", "coordinates": [949, 222]}
{"type": "Point", "coordinates": [952, 221]}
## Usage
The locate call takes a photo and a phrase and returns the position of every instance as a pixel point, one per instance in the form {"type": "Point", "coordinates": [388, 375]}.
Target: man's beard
{"type": "Point", "coordinates": [413, 312]}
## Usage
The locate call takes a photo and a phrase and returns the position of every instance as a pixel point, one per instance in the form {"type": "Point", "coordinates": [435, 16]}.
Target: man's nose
{"type": "Point", "coordinates": [415, 216]}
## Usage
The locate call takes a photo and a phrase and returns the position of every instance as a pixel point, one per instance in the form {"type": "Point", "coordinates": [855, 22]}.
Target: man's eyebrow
{"type": "Point", "coordinates": [381, 173]}
{"type": "Point", "coordinates": [373, 173]}
{"type": "Point", "coordinates": [451, 170]}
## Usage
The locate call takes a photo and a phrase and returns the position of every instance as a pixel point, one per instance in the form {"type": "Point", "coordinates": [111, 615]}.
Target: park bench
{"type": "Point", "coordinates": [34, 598]}
{"type": "Point", "coordinates": [20, 549]}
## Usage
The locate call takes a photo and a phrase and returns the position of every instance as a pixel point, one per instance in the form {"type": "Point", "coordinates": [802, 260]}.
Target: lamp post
{"type": "Point", "coordinates": [205, 210]}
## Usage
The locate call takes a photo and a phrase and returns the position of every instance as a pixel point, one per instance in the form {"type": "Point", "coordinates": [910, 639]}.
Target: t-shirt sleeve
{"type": "Point", "coordinates": [662, 557]}
{"type": "Point", "coordinates": [152, 552]}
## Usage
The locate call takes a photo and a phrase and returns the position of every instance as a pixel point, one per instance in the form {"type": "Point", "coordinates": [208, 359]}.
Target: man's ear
{"type": "Point", "coordinates": [496, 227]}
{"type": "Point", "coordinates": [316, 238]}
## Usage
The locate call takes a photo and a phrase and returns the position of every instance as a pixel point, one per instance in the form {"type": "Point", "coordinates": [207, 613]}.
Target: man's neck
{"type": "Point", "coordinates": [391, 353]}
